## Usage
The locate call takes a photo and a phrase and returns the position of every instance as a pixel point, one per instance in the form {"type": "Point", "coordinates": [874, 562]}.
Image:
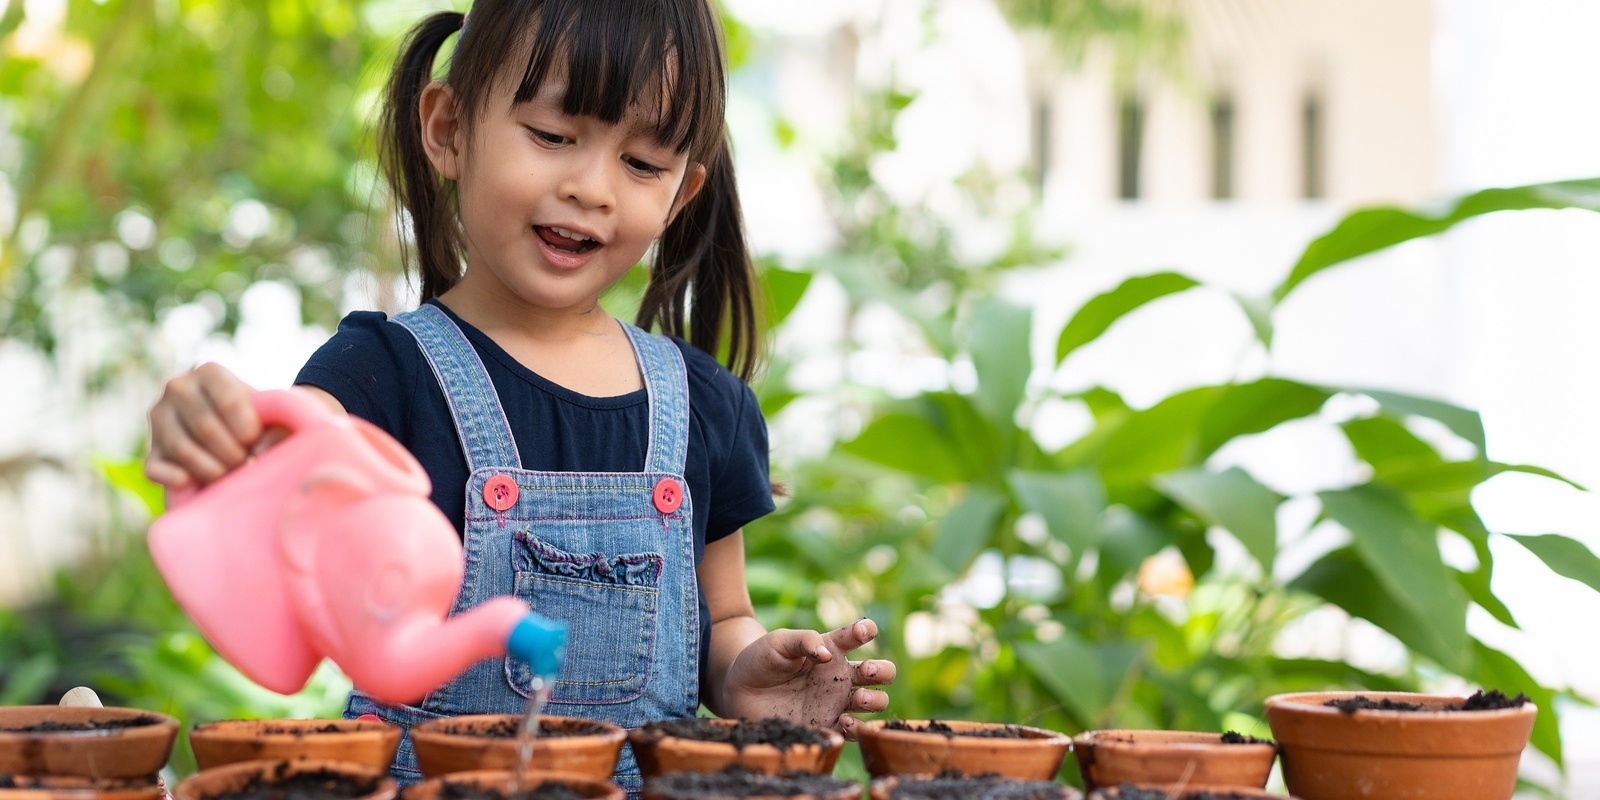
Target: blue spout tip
{"type": "Point", "coordinates": [541, 642]}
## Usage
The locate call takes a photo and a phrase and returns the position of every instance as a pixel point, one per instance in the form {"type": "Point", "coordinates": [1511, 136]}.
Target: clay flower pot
{"type": "Point", "coordinates": [1188, 758]}
{"type": "Point", "coordinates": [56, 787]}
{"type": "Point", "coordinates": [968, 748]}
{"type": "Point", "coordinates": [355, 741]}
{"type": "Point", "coordinates": [1129, 791]}
{"type": "Point", "coordinates": [86, 742]}
{"type": "Point", "coordinates": [491, 781]}
{"type": "Point", "coordinates": [984, 787]}
{"type": "Point", "coordinates": [659, 751]}
{"type": "Point", "coordinates": [738, 782]}
{"type": "Point", "coordinates": [489, 742]}
{"type": "Point", "coordinates": [333, 780]}
{"type": "Point", "coordinates": [1330, 754]}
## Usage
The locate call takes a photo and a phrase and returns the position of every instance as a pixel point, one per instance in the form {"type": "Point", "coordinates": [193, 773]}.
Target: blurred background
{"type": "Point", "coordinates": [1132, 360]}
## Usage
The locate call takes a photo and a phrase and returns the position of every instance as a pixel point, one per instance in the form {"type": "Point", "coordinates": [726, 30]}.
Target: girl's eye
{"type": "Point", "coordinates": [547, 137]}
{"type": "Point", "coordinates": [642, 167]}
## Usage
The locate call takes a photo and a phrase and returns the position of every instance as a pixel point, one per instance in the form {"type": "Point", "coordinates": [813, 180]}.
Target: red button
{"type": "Point", "coordinates": [668, 495]}
{"type": "Point", "coordinates": [500, 492]}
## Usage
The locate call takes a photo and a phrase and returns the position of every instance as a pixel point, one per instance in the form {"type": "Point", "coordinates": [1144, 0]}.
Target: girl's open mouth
{"type": "Point", "coordinates": [564, 240]}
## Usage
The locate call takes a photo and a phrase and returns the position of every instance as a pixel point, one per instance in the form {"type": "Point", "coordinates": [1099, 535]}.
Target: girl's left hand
{"type": "Point", "coordinates": [805, 677]}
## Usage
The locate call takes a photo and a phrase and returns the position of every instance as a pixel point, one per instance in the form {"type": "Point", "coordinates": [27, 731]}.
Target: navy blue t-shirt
{"type": "Point", "coordinates": [377, 372]}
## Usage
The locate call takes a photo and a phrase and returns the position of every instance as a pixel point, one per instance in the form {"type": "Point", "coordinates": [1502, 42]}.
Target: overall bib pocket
{"type": "Point", "coordinates": [608, 602]}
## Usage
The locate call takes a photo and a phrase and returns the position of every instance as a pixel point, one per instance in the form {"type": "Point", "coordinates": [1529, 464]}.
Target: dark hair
{"type": "Point", "coordinates": [664, 56]}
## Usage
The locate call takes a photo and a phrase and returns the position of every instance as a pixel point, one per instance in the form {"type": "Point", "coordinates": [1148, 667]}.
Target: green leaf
{"type": "Point", "coordinates": [998, 341]}
{"type": "Point", "coordinates": [1070, 502]}
{"type": "Point", "coordinates": [1402, 550]}
{"type": "Point", "coordinates": [967, 529]}
{"type": "Point", "coordinates": [1497, 468]}
{"type": "Point", "coordinates": [1373, 229]}
{"type": "Point", "coordinates": [1496, 670]}
{"type": "Point", "coordinates": [1126, 540]}
{"type": "Point", "coordinates": [1565, 557]}
{"type": "Point", "coordinates": [1231, 500]}
{"type": "Point", "coordinates": [1386, 444]}
{"type": "Point", "coordinates": [1463, 422]}
{"type": "Point", "coordinates": [1258, 310]}
{"type": "Point", "coordinates": [1158, 439]}
{"type": "Point", "coordinates": [1255, 407]}
{"type": "Point", "coordinates": [1102, 310]}
{"type": "Point", "coordinates": [1084, 675]}
{"type": "Point", "coordinates": [909, 444]}
{"type": "Point", "coordinates": [784, 288]}
{"type": "Point", "coordinates": [26, 683]}
{"type": "Point", "coordinates": [1342, 578]}
{"type": "Point", "coordinates": [127, 476]}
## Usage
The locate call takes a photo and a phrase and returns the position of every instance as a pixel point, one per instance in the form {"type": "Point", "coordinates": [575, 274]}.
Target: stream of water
{"type": "Point", "coordinates": [527, 733]}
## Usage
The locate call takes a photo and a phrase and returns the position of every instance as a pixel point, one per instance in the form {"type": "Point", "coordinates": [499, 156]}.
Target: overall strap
{"type": "Point", "coordinates": [667, 381]}
{"type": "Point", "coordinates": [480, 421]}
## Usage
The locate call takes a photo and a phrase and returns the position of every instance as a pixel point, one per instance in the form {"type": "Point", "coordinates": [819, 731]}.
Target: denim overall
{"type": "Point", "coordinates": [610, 554]}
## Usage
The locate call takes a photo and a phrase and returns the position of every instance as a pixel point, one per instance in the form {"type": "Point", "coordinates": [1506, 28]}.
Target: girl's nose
{"type": "Point", "coordinates": [588, 184]}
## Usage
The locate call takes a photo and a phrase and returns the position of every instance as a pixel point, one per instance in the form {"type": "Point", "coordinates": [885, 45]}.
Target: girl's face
{"type": "Point", "coordinates": [554, 208]}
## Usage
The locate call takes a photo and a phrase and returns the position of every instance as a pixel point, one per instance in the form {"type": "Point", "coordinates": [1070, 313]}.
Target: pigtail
{"type": "Point", "coordinates": [702, 263]}
{"type": "Point", "coordinates": [421, 195]}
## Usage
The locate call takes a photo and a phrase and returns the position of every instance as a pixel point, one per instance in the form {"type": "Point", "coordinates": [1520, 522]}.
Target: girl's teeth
{"type": "Point", "coordinates": [576, 237]}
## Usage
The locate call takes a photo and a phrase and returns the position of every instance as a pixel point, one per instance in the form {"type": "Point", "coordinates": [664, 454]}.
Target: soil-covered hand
{"type": "Point", "coordinates": [805, 677]}
{"type": "Point", "coordinates": [202, 428]}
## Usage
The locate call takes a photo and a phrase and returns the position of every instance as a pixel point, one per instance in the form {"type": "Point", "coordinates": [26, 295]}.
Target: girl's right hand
{"type": "Point", "coordinates": [203, 427]}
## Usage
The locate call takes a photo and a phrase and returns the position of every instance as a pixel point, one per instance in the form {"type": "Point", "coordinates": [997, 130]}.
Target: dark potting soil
{"type": "Point", "coordinates": [544, 791]}
{"type": "Point", "coordinates": [52, 726]}
{"type": "Point", "coordinates": [935, 726]}
{"type": "Point", "coordinates": [1130, 792]}
{"type": "Point", "coordinates": [310, 785]}
{"type": "Point", "coordinates": [507, 729]}
{"type": "Point", "coordinates": [779, 733]}
{"type": "Point", "coordinates": [736, 781]}
{"type": "Point", "coordinates": [981, 787]}
{"type": "Point", "coordinates": [1479, 701]}
{"type": "Point", "coordinates": [1235, 737]}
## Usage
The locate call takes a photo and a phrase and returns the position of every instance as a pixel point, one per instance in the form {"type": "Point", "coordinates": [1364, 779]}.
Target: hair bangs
{"type": "Point", "coordinates": [658, 63]}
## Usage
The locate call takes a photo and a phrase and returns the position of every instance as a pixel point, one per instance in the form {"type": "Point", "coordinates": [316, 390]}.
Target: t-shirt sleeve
{"type": "Point", "coordinates": [742, 484]}
{"type": "Point", "coordinates": [364, 370]}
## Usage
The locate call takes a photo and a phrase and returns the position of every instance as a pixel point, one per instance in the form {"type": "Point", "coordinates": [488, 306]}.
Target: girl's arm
{"type": "Point", "coordinates": [803, 676]}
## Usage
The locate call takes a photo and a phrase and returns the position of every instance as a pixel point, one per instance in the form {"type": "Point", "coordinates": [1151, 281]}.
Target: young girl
{"type": "Point", "coordinates": [597, 471]}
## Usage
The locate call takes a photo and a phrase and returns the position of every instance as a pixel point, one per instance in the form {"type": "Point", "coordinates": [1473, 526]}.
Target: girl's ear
{"type": "Point", "coordinates": [693, 182]}
{"type": "Point", "coordinates": [441, 129]}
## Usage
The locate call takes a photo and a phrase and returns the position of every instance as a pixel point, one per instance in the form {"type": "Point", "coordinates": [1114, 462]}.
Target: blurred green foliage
{"type": "Point", "coordinates": [164, 152]}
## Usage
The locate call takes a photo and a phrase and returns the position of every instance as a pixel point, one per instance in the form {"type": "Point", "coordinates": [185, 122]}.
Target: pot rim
{"type": "Point", "coordinates": [1244, 791]}
{"type": "Point", "coordinates": [385, 785]}
{"type": "Point", "coordinates": [495, 777]}
{"type": "Point", "coordinates": [1204, 741]}
{"type": "Point", "coordinates": [1312, 703]}
{"type": "Point", "coordinates": [163, 722]}
{"type": "Point", "coordinates": [435, 729]}
{"type": "Point", "coordinates": [1035, 737]}
{"type": "Point", "coordinates": [232, 730]}
{"type": "Point", "coordinates": [639, 738]}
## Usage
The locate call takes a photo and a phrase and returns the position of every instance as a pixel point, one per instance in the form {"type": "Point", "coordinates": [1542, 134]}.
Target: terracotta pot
{"type": "Point", "coordinates": [656, 788]}
{"type": "Point", "coordinates": [234, 777]}
{"type": "Point", "coordinates": [137, 751]}
{"type": "Point", "coordinates": [500, 781]}
{"type": "Point", "coordinates": [1329, 754]}
{"type": "Point", "coordinates": [357, 741]}
{"type": "Point", "coordinates": [661, 755]}
{"type": "Point", "coordinates": [882, 788]}
{"type": "Point", "coordinates": [463, 744]}
{"type": "Point", "coordinates": [1188, 758]}
{"type": "Point", "coordinates": [1168, 792]}
{"type": "Point", "coordinates": [1037, 756]}
{"type": "Point", "coordinates": [59, 787]}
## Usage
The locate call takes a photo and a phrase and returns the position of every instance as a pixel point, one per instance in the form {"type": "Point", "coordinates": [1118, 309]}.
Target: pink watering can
{"type": "Point", "coordinates": [326, 545]}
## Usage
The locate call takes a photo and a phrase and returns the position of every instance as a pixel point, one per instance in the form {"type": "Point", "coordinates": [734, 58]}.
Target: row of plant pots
{"type": "Point", "coordinates": [1393, 746]}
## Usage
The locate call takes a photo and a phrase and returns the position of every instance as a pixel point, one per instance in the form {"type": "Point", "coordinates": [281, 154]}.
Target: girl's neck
{"type": "Point", "coordinates": [585, 351]}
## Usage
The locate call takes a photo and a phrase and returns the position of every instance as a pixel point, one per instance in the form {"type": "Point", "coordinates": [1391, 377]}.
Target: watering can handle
{"type": "Point", "coordinates": [283, 408]}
